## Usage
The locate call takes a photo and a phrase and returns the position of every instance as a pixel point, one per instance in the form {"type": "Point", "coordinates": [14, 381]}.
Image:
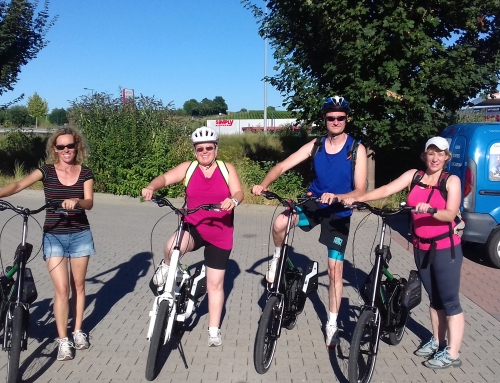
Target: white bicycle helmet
{"type": "Point", "coordinates": [204, 134]}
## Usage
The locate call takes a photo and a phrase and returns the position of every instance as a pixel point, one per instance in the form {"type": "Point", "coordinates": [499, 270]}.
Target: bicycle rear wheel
{"type": "Point", "coordinates": [267, 336]}
{"type": "Point", "coordinates": [362, 355]}
{"type": "Point", "coordinates": [156, 341]}
{"type": "Point", "coordinates": [16, 338]}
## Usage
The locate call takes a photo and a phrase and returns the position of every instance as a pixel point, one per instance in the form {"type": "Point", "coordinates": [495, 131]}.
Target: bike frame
{"type": "Point", "coordinates": [278, 288]}
{"type": "Point", "coordinates": [176, 278]}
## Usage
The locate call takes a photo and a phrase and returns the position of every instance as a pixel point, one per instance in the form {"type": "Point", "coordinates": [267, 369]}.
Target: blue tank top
{"type": "Point", "coordinates": [333, 174]}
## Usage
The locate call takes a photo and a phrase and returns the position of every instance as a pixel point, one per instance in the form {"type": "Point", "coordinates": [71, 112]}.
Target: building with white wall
{"type": "Point", "coordinates": [236, 126]}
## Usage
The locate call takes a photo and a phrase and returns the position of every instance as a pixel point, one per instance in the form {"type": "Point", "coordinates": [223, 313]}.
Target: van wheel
{"type": "Point", "coordinates": [493, 246]}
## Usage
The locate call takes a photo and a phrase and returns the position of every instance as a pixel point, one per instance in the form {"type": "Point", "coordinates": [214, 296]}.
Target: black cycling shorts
{"type": "Point", "coordinates": [215, 257]}
{"type": "Point", "coordinates": [334, 229]}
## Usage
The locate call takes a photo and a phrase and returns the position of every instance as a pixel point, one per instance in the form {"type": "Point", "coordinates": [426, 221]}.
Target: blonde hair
{"type": "Point", "coordinates": [82, 148]}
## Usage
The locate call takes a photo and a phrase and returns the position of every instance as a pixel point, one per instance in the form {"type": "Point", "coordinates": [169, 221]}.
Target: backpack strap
{"type": "Point", "coordinates": [352, 154]}
{"type": "Point", "coordinates": [223, 169]}
{"type": "Point", "coordinates": [192, 167]}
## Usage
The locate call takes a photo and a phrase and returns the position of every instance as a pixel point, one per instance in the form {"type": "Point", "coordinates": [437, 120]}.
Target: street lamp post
{"type": "Point", "coordinates": [265, 80]}
{"type": "Point", "coordinates": [92, 90]}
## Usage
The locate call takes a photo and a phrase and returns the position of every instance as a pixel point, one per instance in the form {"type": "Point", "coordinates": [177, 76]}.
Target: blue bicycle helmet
{"type": "Point", "coordinates": [335, 104]}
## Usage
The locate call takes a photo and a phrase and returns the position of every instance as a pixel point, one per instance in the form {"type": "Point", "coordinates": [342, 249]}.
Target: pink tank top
{"type": "Point", "coordinates": [214, 227]}
{"type": "Point", "coordinates": [425, 225]}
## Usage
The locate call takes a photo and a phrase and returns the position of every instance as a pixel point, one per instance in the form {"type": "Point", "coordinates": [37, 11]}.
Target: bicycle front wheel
{"type": "Point", "coordinates": [16, 339]}
{"type": "Point", "coordinates": [362, 355]}
{"type": "Point", "coordinates": [156, 341]}
{"type": "Point", "coordinates": [267, 336]}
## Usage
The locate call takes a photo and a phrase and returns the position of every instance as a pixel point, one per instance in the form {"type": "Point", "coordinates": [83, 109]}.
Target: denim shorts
{"type": "Point", "coordinates": [73, 245]}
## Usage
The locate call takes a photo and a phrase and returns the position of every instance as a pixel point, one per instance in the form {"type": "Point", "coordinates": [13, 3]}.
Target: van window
{"type": "Point", "coordinates": [494, 164]}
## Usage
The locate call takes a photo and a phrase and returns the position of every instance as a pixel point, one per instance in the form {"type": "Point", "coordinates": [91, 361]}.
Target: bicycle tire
{"type": "Point", "coordinates": [267, 336]}
{"type": "Point", "coordinates": [156, 340]}
{"type": "Point", "coordinates": [395, 337]}
{"type": "Point", "coordinates": [16, 338]}
{"type": "Point", "coordinates": [362, 357]}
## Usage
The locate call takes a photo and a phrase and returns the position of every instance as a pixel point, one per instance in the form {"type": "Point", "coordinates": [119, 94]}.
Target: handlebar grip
{"type": "Point", "coordinates": [432, 210]}
{"type": "Point", "coordinates": [268, 194]}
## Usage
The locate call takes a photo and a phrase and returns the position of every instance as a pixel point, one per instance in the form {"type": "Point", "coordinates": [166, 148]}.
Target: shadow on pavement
{"type": "Point", "coordinates": [114, 289]}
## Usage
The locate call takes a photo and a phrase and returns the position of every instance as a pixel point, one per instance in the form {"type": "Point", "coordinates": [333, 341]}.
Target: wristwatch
{"type": "Point", "coordinates": [235, 201]}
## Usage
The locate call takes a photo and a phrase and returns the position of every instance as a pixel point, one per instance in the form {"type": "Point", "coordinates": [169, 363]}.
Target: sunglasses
{"type": "Point", "coordinates": [332, 118]}
{"type": "Point", "coordinates": [69, 146]}
{"type": "Point", "coordinates": [207, 148]}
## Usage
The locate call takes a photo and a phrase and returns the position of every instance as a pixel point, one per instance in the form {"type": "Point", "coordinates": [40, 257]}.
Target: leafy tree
{"type": "Point", "coordinates": [192, 107]}
{"type": "Point", "coordinates": [37, 107]}
{"type": "Point", "coordinates": [19, 116]}
{"type": "Point", "coordinates": [243, 110]}
{"type": "Point", "coordinates": [22, 36]}
{"type": "Point", "coordinates": [207, 107]}
{"type": "Point", "coordinates": [58, 116]}
{"type": "Point", "coordinates": [405, 66]}
{"type": "Point", "coordinates": [220, 105]}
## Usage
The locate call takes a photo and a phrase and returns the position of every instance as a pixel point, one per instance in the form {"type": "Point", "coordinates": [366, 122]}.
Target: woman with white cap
{"type": "Point", "coordinates": [215, 182]}
{"type": "Point", "coordinates": [437, 249]}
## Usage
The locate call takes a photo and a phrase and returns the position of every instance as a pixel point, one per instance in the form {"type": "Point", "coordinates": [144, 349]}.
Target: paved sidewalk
{"type": "Point", "coordinates": [119, 300]}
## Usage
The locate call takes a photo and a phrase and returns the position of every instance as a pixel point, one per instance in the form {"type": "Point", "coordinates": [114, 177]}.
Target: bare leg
{"type": "Point", "coordinates": [78, 267]}
{"type": "Point", "coordinates": [439, 325]}
{"type": "Point", "coordinates": [187, 245]}
{"type": "Point", "coordinates": [58, 270]}
{"type": "Point", "coordinates": [279, 227]}
{"type": "Point", "coordinates": [456, 328]}
{"type": "Point", "coordinates": [335, 269]}
{"type": "Point", "coordinates": [215, 290]}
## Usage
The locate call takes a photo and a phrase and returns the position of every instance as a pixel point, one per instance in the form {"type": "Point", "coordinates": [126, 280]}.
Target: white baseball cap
{"type": "Point", "coordinates": [440, 142]}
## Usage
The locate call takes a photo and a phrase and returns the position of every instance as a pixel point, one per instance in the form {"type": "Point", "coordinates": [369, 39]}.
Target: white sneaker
{"type": "Point", "coordinates": [214, 341]}
{"type": "Point", "coordinates": [271, 271]}
{"type": "Point", "coordinates": [161, 273]}
{"type": "Point", "coordinates": [80, 340]}
{"type": "Point", "coordinates": [332, 336]}
{"type": "Point", "coordinates": [64, 351]}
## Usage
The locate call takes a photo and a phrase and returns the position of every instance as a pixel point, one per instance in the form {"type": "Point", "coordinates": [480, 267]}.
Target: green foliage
{"type": "Point", "coordinates": [37, 107]}
{"type": "Point", "coordinates": [404, 66]}
{"type": "Point", "coordinates": [206, 107]}
{"type": "Point", "coordinates": [17, 116]}
{"type": "Point", "coordinates": [58, 116]}
{"type": "Point", "coordinates": [25, 149]}
{"type": "Point", "coordinates": [130, 143]}
{"type": "Point", "coordinates": [22, 36]}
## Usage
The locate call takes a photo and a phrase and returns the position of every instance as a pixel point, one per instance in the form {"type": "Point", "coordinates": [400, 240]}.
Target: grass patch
{"type": "Point", "coordinates": [19, 174]}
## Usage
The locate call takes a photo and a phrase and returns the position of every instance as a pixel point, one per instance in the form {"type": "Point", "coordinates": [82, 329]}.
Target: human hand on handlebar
{"type": "Point", "coordinates": [69, 204]}
{"type": "Point", "coordinates": [227, 204]}
{"type": "Point", "coordinates": [147, 194]}
{"type": "Point", "coordinates": [348, 202]}
{"type": "Point", "coordinates": [258, 189]}
{"type": "Point", "coordinates": [424, 207]}
{"type": "Point", "coordinates": [328, 198]}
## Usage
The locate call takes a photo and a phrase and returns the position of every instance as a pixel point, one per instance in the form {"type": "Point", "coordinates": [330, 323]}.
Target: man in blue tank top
{"type": "Point", "coordinates": [333, 180]}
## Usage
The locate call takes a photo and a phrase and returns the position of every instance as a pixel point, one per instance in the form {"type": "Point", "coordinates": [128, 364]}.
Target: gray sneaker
{"type": "Point", "coordinates": [428, 349]}
{"type": "Point", "coordinates": [64, 351]}
{"type": "Point", "coordinates": [215, 341]}
{"type": "Point", "coordinates": [443, 359]}
{"type": "Point", "coordinates": [80, 339]}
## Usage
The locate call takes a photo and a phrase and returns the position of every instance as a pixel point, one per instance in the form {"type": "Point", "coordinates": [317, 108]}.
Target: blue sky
{"type": "Point", "coordinates": [174, 50]}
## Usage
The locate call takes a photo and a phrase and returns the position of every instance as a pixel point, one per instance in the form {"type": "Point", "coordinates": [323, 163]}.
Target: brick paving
{"type": "Point", "coordinates": [119, 300]}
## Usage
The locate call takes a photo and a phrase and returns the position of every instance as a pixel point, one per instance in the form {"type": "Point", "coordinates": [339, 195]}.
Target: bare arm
{"type": "Point", "coordinates": [360, 176]}
{"type": "Point", "coordinates": [294, 159]}
{"type": "Point", "coordinates": [171, 177]}
{"type": "Point", "coordinates": [234, 188]}
{"type": "Point", "coordinates": [17, 186]}
{"type": "Point", "coordinates": [400, 183]}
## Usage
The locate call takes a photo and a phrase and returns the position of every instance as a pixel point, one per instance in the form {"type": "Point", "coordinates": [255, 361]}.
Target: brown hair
{"type": "Point", "coordinates": [82, 148]}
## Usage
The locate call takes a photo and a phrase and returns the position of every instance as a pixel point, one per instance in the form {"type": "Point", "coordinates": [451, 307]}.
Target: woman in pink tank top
{"type": "Point", "coordinates": [211, 182]}
{"type": "Point", "coordinates": [437, 249]}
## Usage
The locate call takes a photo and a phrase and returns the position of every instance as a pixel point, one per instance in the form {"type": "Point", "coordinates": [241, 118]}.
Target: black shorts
{"type": "Point", "coordinates": [215, 257]}
{"type": "Point", "coordinates": [334, 229]}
